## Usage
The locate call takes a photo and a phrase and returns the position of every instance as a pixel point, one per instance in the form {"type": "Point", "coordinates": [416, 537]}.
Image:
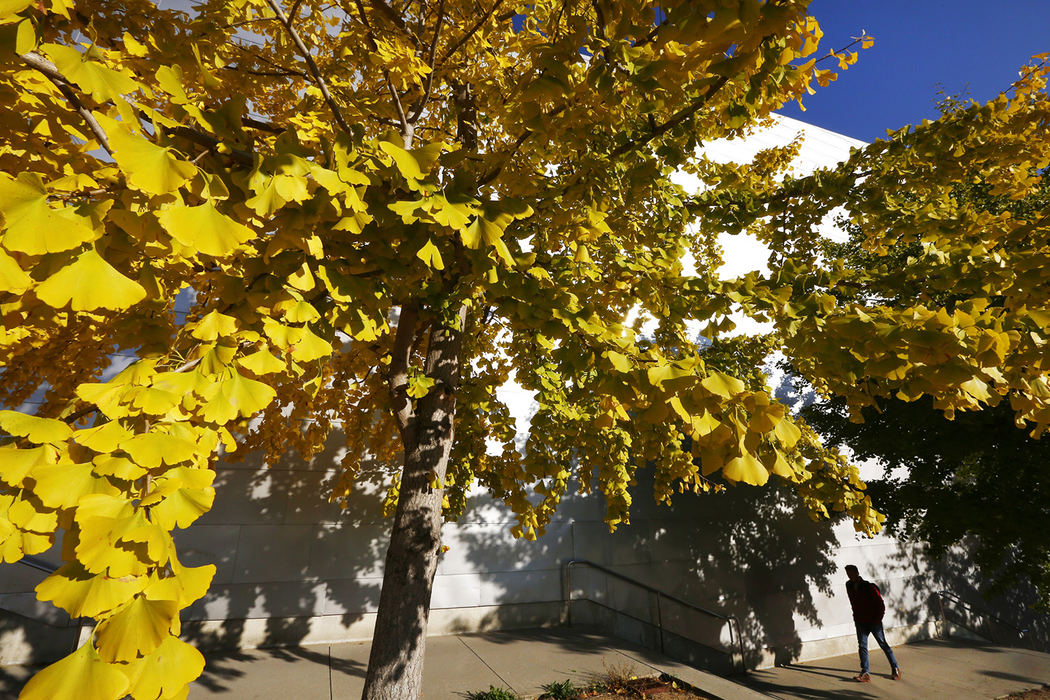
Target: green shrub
{"type": "Point", "coordinates": [493, 693]}
{"type": "Point", "coordinates": [562, 690]}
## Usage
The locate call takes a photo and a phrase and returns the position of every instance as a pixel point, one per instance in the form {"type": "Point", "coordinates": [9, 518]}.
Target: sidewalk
{"type": "Point", "coordinates": [523, 660]}
{"type": "Point", "coordinates": [955, 669]}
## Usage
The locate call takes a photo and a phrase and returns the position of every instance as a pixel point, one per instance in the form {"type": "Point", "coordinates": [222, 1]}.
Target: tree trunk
{"type": "Point", "coordinates": [395, 665]}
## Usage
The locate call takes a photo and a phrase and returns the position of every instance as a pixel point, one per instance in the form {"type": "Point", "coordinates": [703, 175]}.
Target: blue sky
{"type": "Point", "coordinates": [960, 45]}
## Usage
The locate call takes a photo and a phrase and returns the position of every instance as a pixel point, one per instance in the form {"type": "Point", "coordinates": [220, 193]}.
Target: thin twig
{"type": "Point", "coordinates": [522, 138]}
{"type": "Point", "coordinates": [267, 61]}
{"type": "Point", "coordinates": [418, 111]}
{"type": "Point", "coordinates": [39, 63]}
{"type": "Point", "coordinates": [397, 21]}
{"type": "Point", "coordinates": [406, 127]}
{"type": "Point", "coordinates": [676, 119]}
{"type": "Point", "coordinates": [473, 30]}
{"type": "Point", "coordinates": [305, 53]}
{"type": "Point", "coordinates": [266, 73]}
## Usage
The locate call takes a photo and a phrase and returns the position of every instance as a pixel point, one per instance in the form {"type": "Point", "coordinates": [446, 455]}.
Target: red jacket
{"type": "Point", "coordinates": [866, 601]}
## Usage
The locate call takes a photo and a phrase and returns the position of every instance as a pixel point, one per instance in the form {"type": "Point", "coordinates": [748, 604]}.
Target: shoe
{"type": "Point", "coordinates": [862, 678]}
{"type": "Point", "coordinates": [896, 675]}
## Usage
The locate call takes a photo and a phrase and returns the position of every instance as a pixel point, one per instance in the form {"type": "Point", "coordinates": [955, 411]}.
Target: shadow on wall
{"type": "Point", "coordinates": [749, 552]}
{"type": "Point", "coordinates": [970, 601]}
{"type": "Point", "coordinates": [285, 556]}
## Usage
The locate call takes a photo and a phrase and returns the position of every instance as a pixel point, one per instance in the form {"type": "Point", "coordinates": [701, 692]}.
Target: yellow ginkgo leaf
{"type": "Point", "coordinates": [37, 430]}
{"type": "Point", "coordinates": [103, 438]}
{"type": "Point", "coordinates": [430, 254]}
{"type": "Point", "coordinates": [8, 8]}
{"type": "Point", "coordinates": [281, 335]}
{"type": "Point", "coordinates": [154, 401]}
{"type": "Point", "coordinates": [15, 463]}
{"type": "Point", "coordinates": [150, 449]}
{"type": "Point", "coordinates": [84, 594]}
{"type": "Point", "coordinates": [212, 325]}
{"type": "Point", "coordinates": [188, 585]}
{"type": "Point", "coordinates": [780, 466]}
{"type": "Point", "coordinates": [261, 362]}
{"type": "Point", "coordinates": [204, 228]}
{"type": "Point", "coordinates": [31, 225]}
{"type": "Point", "coordinates": [405, 161]}
{"type": "Point", "coordinates": [747, 469]}
{"type": "Point", "coordinates": [310, 347]}
{"type": "Point", "coordinates": [704, 424]}
{"type": "Point", "coordinates": [296, 311]}
{"type": "Point", "coordinates": [787, 433]}
{"type": "Point", "coordinates": [28, 515]}
{"type": "Point", "coordinates": [80, 676]}
{"type": "Point", "coordinates": [236, 396]}
{"type": "Point", "coordinates": [103, 521]}
{"type": "Point", "coordinates": [302, 278]}
{"type": "Point", "coordinates": [107, 397]}
{"type": "Point", "coordinates": [149, 167]}
{"type": "Point", "coordinates": [119, 467]}
{"type": "Point", "coordinates": [62, 485]}
{"type": "Point", "coordinates": [90, 283]}
{"type": "Point", "coordinates": [15, 543]}
{"type": "Point", "coordinates": [136, 629]}
{"type": "Point", "coordinates": [722, 385]}
{"type": "Point", "coordinates": [157, 541]}
{"type": "Point", "coordinates": [165, 671]}
{"type": "Point", "coordinates": [13, 278]}
{"type": "Point", "coordinates": [102, 82]}
{"type": "Point", "coordinates": [181, 496]}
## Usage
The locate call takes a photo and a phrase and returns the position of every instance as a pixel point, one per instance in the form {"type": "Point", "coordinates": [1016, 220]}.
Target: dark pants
{"type": "Point", "coordinates": [874, 629]}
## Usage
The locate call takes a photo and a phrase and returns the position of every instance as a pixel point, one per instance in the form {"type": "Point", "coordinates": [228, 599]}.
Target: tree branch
{"type": "Point", "coordinates": [400, 358]}
{"type": "Point", "coordinates": [41, 64]}
{"type": "Point", "coordinates": [406, 127]}
{"type": "Point", "coordinates": [522, 138]}
{"type": "Point", "coordinates": [418, 110]}
{"type": "Point", "coordinates": [473, 30]}
{"type": "Point", "coordinates": [397, 21]}
{"type": "Point", "coordinates": [305, 53]}
{"type": "Point", "coordinates": [676, 119]}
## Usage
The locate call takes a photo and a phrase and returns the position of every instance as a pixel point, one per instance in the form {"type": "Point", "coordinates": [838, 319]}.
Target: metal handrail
{"type": "Point", "coordinates": [38, 564]}
{"type": "Point", "coordinates": [736, 638]}
{"type": "Point", "coordinates": [941, 595]}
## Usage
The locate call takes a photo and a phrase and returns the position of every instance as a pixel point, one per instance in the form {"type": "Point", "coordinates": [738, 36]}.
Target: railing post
{"type": "Point", "coordinates": [659, 622]}
{"type": "Point", "coordinates": [944, 619]}
{"type": "Point", "coordinates": [568, 594]}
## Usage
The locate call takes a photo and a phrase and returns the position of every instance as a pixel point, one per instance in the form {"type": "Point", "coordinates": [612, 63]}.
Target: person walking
{"type": "Point", "coordinates": [868, 609]}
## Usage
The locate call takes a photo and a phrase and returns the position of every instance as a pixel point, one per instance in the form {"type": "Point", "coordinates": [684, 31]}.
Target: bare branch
{"type": "Point", "coordinates": [673, 121]}
{"type": "Point", "coordinates": [287, 73]}
{"type": "Point", "coordinates": [473, 30]}
{"type": "Point", "coordinates": [406, 128]}
{"type": "Point", "coordinates": [418, 111]}
{"type": "Point", "coordinates": [305, 53]}
{"type": "Point", "coordinates": [522, 138]}
{"type": "Point", "coordinates": [397, 21]}
{"type": "Point", "coordinates": [38, 62]}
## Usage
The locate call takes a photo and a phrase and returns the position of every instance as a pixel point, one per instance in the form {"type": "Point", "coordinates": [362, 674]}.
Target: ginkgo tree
{"type": "Point", "coordinates": [383, 211]}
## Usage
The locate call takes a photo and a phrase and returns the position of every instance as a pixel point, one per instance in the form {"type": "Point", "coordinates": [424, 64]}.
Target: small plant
{"type": "Point", "coordinates": [562, 690]}
{"type": "Point", "coordinates": [493, 693]}
{"type": "Point", "coordinates": [616, 676]}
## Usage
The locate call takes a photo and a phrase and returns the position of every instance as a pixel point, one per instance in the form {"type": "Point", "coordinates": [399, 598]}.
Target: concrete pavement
{"type": "Point", "coordinates": [523, 660]}
{"type": "Point", "coordinates": [938, 668]}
